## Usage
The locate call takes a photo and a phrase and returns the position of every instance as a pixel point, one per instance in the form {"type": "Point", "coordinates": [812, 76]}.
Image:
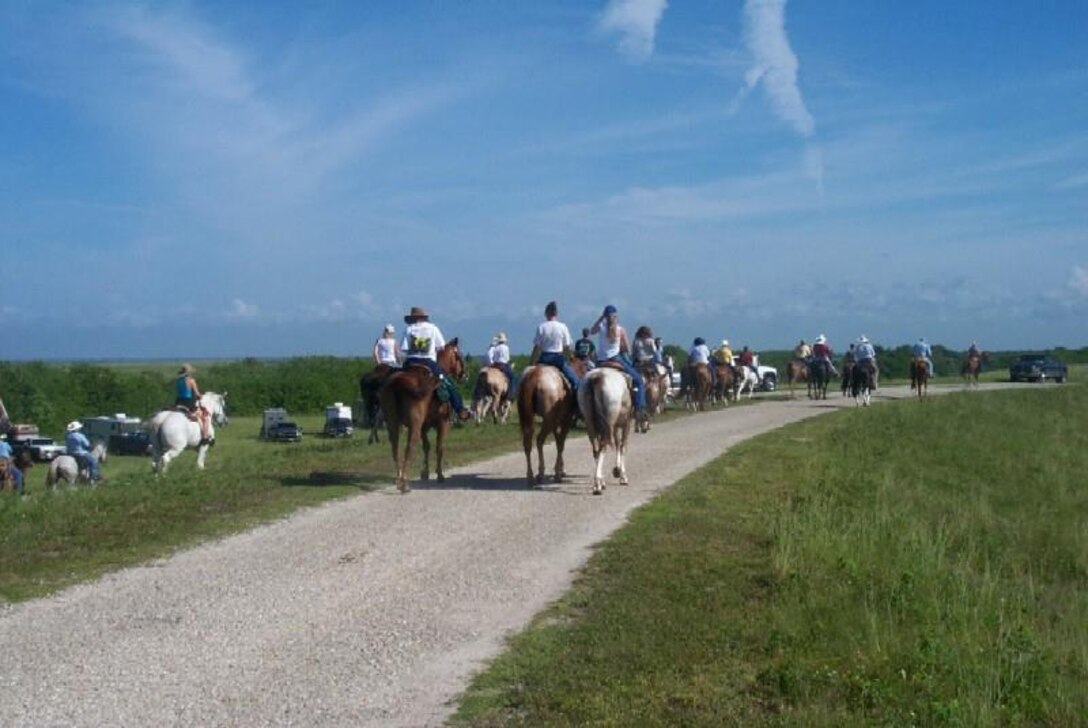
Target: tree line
{"type": "Point", "coordinates": [51, 395]}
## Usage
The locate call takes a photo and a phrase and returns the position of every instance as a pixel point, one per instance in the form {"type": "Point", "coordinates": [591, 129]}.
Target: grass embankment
{"type": "Point", "coordinates": [56, 538]}
{"type": "Point", "coordinates": [924, 563]}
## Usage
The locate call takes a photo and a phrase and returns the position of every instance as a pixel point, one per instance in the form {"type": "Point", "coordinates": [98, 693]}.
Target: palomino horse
{"type": "Point", "coordinates": [819, 375]}
{"type": "Point", "coordinates": [919, 376]}
{"type": "Point", "coordinates": [172, 431]}
{"type": "Point", "coordinates": [408, 399]}
{"type": "Point", "coordinates": [657, 385]}
{"type": "Point", "coordinates": [489, 395]}
{"type": "Point", "coordinates": [605, 401]}
{"type": "Point", "coordinates": [972, 365]}
{"type": "Point", "coordinates": [797, 373]}
{"type": "Point", "coordinates": [543, 393]}
{"type": "Point", "coordinates": [369, 386]}
{"type": "Point", "coordinates": [698, 386]}
{"type": "Point", "coordinates": [862, 382]}
{"type": "Point", "coordinates": [67, 468]}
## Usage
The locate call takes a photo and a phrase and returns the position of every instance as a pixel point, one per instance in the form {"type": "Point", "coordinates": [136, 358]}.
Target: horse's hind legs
{"type": "Point", "coordinates": [425, 473]}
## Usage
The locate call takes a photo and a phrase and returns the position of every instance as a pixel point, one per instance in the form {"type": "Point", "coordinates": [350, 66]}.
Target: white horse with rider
{"type": "Point", "coordinates": [604, 397]}
{"type": "Point", "coordinates": [71, 470]}
{"type": "Point", "coordinates": [749, 382]}
{"type": "Point", "coordinates": [172, 431]}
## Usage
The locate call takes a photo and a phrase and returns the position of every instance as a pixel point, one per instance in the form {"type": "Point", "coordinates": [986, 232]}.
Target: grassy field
{"type": "Point", "coordinates": [924, 563]}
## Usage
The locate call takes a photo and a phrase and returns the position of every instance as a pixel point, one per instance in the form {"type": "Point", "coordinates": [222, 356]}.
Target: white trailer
{"type": "Point", "coordinates": [272, 417]}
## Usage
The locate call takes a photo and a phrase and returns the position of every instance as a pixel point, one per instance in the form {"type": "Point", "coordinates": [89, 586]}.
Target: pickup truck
{"type": "Point", "coordinates": [768, 376]}
{"type": "Point", "coordinates": [41, 449]}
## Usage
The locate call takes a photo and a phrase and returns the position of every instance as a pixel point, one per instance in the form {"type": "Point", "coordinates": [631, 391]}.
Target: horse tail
{"type": "Point", "coordinates": [599, 407]}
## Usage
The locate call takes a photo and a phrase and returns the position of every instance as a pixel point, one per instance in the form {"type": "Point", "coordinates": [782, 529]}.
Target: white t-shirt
{"type": "Point", "coordinates": [386, 350]}
{"type": "Point", "coordinates": [423, 340]}
{"type": "Point", "coordinates": [553, 337]}
{"type": "Point", "coordinates": [498, 354]}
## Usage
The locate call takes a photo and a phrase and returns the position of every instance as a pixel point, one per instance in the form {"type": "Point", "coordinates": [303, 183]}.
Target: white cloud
{"type": "Point", "coordinates": [240, 310]}
{"type": "Point", "coordinates": [636, 22]}
{"type": "Point", "coordinates": [774, 63]}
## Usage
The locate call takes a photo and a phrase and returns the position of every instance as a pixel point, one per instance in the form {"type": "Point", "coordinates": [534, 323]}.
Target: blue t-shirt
{"type": "Point", "coordinates": [184, 390]}
{"type": "Point", "coordinates": [5, 450]}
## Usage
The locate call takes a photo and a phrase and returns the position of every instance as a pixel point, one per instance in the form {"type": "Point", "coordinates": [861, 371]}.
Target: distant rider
{"type": "Point", "coordinates": [188, 398]}
{"type": "Point", "coordinates": [921, 350]}
{"type": "Point", "coordinates": [78, 446]}
{"type": "Point", "coordinates": [614, 346]}
{"type": "Point", "coordinates": [700, 354]}
{"type": "Point", "coordinates": [865, 354]}
{"type": "Point", "coordinates": [499, 356]}
{"type": "Point", "coordinates": [802, 351]}
{"type": "Point", "coordinates": [821, 351]}
{"type": "Point", "coordinates": [586, 350]}
{"type": "Point", "coordinates": [6, 453]}
{"type": "Point", "coordinates": [552, 343]}
{"type": "Point", "coordinates": [385, 348]}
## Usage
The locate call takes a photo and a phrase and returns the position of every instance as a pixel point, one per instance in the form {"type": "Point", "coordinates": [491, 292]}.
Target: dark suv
{"type": "Point", "coordinates": [1037, 368]}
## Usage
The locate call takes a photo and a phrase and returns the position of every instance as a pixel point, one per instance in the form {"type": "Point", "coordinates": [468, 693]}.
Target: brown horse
{"type": "Point", "coordinates": [919, 376]}
{"type": "Point", "coordinates": [489, 395]}
{"type": "Point", "coordinates": [726, 385]}
{"type": "Point", "coordinates": [408, 399]}
{"type": "Point", "coordinates": [970, 370]}
{"type": "Point", "coordinates": [698, 386]}
{"type": "Point", "coordinates": [657, 384]}
{"type": "Point", "coordinates": [797, 373]}
{"type": "Point", "coordinates": [545, 393]}
{"type": "Point", "coordinates": [847, 376]}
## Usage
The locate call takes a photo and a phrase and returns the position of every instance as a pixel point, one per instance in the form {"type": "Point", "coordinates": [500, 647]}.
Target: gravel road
{"type": "Point", "coordinates": [370, 611]}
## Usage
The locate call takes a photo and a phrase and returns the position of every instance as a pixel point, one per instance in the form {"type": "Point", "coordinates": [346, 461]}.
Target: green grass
{"type": "Point", "coordinates": [53, 539]}
{"type": "Point", "coordinates": [922, 563]}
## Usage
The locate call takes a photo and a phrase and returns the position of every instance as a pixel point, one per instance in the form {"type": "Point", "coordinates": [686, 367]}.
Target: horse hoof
{"type": "Point", "coordinates": [598, 491]}
{"type": "Point", "coordinates": [615, 472]}
{"type": "Point", "coordinates": [441, 478]}
{"type": "Point", "coordinates": [623, 480]}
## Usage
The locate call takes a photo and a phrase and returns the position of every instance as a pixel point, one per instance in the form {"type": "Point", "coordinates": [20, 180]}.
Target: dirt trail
{"type": "Point", "coordinates": [370, 611]}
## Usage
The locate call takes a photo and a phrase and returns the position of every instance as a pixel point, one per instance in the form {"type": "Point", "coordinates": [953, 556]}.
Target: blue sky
{"type": "Point", "coordinates": [224, 179]}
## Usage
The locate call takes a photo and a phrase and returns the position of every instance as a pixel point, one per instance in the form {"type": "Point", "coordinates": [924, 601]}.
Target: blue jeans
{"type": "Point", "coordinates": [455, 394]}
{"type": "Point", "coordinates": [636, 379]}
{"type": "Point", "coordinates": [17, 477]}
{"type": "Point", "coordinates": [557, 360]}
{"type": "Point", "coordinates": [90, 461]}
{"type": "Point", "coordinates": [511, 380]}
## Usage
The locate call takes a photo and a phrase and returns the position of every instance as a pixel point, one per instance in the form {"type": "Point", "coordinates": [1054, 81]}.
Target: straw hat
{"type": "Point", "coordinates": [186, 369]}
{"type": "Point", "coordinates": [501, 338]}
{"type": "Point", "coordinates": [74, 425]}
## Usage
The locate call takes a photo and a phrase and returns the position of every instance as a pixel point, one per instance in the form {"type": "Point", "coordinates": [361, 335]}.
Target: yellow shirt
{"type": "Point", "coordinates": [723, 355]}
{"type": "Point", "coordinates": [803, 351]}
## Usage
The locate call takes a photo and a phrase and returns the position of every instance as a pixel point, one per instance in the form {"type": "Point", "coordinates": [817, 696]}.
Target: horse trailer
{"type": "Point", "coordinates": [102, 428]}
{"type": "Point", "coordinates": [338, 422]}
{"type": "Point", "coordinates": [271, 418]}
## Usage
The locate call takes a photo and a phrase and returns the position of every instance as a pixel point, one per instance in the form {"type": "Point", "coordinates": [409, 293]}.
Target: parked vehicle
{"type": "Point", "coordinates": [129, 443]}
{"type": "Point", "coordinates": [41, 449]}
{"type": "Point", "coordinates": [285, 431]}
{"type": "Point", "coordinates": [338, 422]}
{"type": "Point", "coordinates": [1037, 368]}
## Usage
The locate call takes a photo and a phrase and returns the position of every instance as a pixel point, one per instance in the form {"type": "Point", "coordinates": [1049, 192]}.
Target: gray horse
{"type": "Point", "coordinates": [67, 468]}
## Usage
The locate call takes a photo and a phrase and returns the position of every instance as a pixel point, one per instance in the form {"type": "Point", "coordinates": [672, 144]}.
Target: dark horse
{"type": "Point", "coordinates": [726, 384]}
{"type": "Point", "coordinates": [408, 399]}
{"type": "Point", "coordinates": [698, 386]}
{"type": "Point", "coordinates": [370, 385]}
{"type": "Point", "coordinates": [847, 375]}
{"type": "Point", "coordinates": [919, 376]}
{"type": "Point", "coordinates": [862, 381]}
{"type": "Point", "coordinates": [819, 375]}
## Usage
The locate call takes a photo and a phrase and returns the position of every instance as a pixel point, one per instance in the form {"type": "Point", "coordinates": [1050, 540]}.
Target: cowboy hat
{"type": "Point", "coordinates": [821, 339]}
{"type": "Point", "coordinates": [186, 369]}
{"type": "Point", "coordinates": [863, 339]}
{"type": "Point", "coordinates": [74, 425]}
{"type": "Point", "coordinates": [416, 314]}
{"type": "Point", "coordinates": [725, 342]}
{"type": "Point", "coordinates": [501, 338]}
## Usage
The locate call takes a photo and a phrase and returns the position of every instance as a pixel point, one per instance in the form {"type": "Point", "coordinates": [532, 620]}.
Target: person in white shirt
{"type": "Point", "coordinates": [553, 343]}
{"type": "Point", "coordinates": [499, 356]}
{"type": "Point", "coordinates": [613, 345]}
{"type": "Point", "coordinates": [420, 345]}
{"type": "Point", "coordinates": [385, 348]}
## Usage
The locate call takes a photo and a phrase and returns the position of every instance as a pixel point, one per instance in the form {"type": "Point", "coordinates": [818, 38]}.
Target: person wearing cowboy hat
{"type": "Point", "coordinates": [864, 352]}
{"type": "Point", "coordinates": [498, 356]}
{"type": "Point", "coordinates": [188, 397]}
{"type": "Point", "coordinates": [78, 446]}
{"type": "Point", "coordinates": [7, 460]}
{"type": "Point", "coordinates": [821, 351]}
{"type": "Point", "coordinates": [420, 345]}
{"type": "Point", "coordinates": [385, 348]}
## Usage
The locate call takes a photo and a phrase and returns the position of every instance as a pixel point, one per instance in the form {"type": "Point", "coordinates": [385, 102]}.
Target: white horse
{"type": "Point", "coordinates": [172, 431]}
{"type": "Point", "coordinates": [749, 382]}
{"type": "Point", "coordinates": [67, 468]}
{"type": "Point", "coordinates": [605, 401]}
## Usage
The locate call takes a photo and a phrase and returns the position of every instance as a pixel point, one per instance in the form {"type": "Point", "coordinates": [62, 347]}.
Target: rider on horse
{"type": "Point", "coordinates": [498, 356]}
{"type": "Point", "coordinates": [865, 354]}
{"type": "Point", "coordinates": [821, 351]}
{"type": "Point", "coordinates": [552, 343]}
{"type": "Point", "coordinates": [385, 348]}
{"type": "Point", "coordinates": [420, 346]}
{"type": "Point", "coordinates": [188, 398]}
{"type": "Point", "coordinates": [614, 346]}
{"type": "Point", "coordinates": [802, 351]}
{"type": "Point", "coordinates": [922, 351]}
{"type": "Point", "coordinates": [9, 468]}
{"type": "Point", "coordinates": [78, 446]}
{"type": "Point", "coordinates": [700, 354]}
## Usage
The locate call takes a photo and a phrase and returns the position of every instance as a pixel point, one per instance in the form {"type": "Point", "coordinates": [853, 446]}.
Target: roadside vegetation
{"type": "Point", "coordinates": [918, 564]}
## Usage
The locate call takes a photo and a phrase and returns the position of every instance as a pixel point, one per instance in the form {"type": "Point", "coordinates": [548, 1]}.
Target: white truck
{"type": "Point", "coordinates": [768, 376]}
